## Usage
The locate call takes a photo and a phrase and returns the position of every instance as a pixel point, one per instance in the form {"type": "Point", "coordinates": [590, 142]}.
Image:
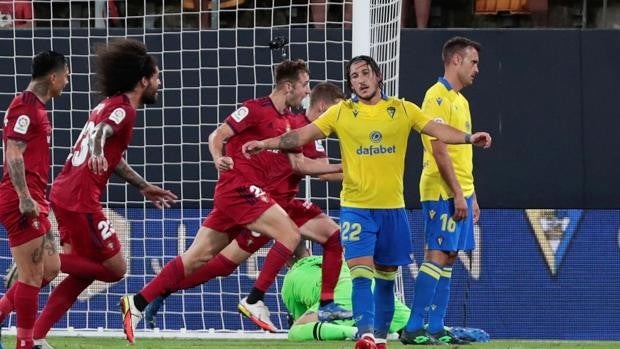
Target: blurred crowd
{"type": "Point", "coordinates": [206, 14]}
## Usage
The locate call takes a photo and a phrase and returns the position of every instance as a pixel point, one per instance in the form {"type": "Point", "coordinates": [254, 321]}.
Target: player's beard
{"type": "Point", "coordinates": [149, 96]}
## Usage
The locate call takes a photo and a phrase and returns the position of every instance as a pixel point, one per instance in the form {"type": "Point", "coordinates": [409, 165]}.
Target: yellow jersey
{"type": "Point", "coordinates": [373, 143]}
{"type": "Point", "coordinates": [445, 105]}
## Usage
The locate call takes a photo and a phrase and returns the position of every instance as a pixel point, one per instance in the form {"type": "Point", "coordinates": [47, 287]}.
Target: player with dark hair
{"type": "Point", "coordinates": [373, 130]}
{"type": "Point", "coordinates": [449, 205]}
{"type": "Point", "coordinates": [240, 199]}
{"type": "Point", "coordinates": [128, 77]}
{"type": "Point", "coordinates": [23, 206]}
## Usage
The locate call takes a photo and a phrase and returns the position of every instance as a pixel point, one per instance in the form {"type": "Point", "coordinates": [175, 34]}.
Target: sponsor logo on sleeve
{"type": "Point", "coordinates": [240, 114]}
{"type": "Point", "coordinates": [318, 145]}
{"type": "Point", "coordinates": [22, 124]}
{"type": "Point", "coordinates": [118, 115]}
{"type": "Point", "coordinates": [439, 120]}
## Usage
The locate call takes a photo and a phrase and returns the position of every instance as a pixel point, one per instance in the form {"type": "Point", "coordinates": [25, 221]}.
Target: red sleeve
{"type": "Point", "coordinates": [242, 118]}
{"type": "Point", "coordinates": [119, 117]}
{"type": "Point", "coordinates": [26, 10]}
{"type": "Point", "coordinates": [21, 123]}
{"type": "Point", "coordinates": [314, 150]}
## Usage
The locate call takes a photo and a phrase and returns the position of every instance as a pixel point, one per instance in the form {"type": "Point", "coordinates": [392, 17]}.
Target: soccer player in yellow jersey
{"type": "Point", "coordinates": [373, 130]}
{"type": "Point", "coordinates": [449, 205]}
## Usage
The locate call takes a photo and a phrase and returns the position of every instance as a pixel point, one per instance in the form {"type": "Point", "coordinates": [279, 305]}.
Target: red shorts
{"type": "Point", "coordinates": [21, 229]}
{"type": "Point", "coordinates": [242, 202]}
{"type": "Point", "coordinates": [302, 211]}
{"type": "Point", "coordinates": [248, 240]}
{"type": "Point", "coordinates": [90, 234]}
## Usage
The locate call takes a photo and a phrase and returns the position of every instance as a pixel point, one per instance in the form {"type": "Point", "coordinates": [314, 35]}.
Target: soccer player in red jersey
{"type": "Point", "coordinates": [240, 200]}
{"type": "Point", "coordinates": [128, 77]}
{"type": "Point", "coordinates": [23, 207]}
{"type": "Point", "coordinates": [284, 177]}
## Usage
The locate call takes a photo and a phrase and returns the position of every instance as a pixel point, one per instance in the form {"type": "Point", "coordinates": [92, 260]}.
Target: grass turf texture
{"type": "Point", "coordinates": [113, 343]}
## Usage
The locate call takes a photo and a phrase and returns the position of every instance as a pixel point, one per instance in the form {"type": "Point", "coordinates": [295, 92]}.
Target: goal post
{"type": "Point", "coordinates": [206, 74]}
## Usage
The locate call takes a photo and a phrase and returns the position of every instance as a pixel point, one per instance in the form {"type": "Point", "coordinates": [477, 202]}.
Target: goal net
{"type": "Point", "coordinates": [212, 58]}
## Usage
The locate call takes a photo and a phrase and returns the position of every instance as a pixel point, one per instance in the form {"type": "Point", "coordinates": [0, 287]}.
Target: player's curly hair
{"type": "Point", "coordinates": [121, 65]}
{"type": "Point", "coordinates": [46, 62]}
{"type": "Point", "coordinates": [456, 45]}
{"type": "Point", "coordinates": [371, 63]}
{"type": "Point", "coordinates": [326, 91]}
{"type": "Point", "coordinates": [289, 70]}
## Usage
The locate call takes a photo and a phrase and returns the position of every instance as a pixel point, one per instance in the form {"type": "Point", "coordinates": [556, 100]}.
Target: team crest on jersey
{"type": "Point", "coordinates": [431, 214]}
{"type": "Point", "coordinates": [35, 224]}
{"type": "Point", "coordinates": [438, 100]}
{"type": "Point", "coordinates": [22, 124]}
{"type": "Point", "coordinates": [554, 230]}
{"type": "Point", "coordinates": [355, 112]}
{"type": "Point", "coordinates": [391, 111]}
{"type": "Point", "coordinates": [375, 136]}
{"type": "Point", "coordinates": [440, 240]}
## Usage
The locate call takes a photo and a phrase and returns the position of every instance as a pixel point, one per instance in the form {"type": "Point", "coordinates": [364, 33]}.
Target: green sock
{"type": "Point", "coordinates": [323, 331]}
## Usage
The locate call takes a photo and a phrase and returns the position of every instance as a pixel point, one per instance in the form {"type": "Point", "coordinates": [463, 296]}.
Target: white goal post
{"type": "Point", "coordinates": [206, 73]}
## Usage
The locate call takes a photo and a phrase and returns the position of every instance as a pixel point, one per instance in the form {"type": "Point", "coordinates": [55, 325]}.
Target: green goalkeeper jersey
{"type": "Point", "coordinates": [302, 289]}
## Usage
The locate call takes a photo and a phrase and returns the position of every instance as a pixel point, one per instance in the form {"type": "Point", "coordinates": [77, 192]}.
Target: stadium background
{"type": "Point", "coordinates": [547, 98]}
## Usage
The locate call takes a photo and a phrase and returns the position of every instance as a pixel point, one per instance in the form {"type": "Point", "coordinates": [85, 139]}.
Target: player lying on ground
{"type": "Point", "coordinates": [241, 202]}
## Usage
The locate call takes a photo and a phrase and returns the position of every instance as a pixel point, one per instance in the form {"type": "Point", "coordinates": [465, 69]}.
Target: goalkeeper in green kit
{"type": "Point", "coordinates": [301, 291]}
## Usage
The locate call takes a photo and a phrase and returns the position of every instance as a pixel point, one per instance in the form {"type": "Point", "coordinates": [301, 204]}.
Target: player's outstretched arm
{"type": "Point", "coordinates": [290, 140]}
{"type": "Point", "coordinates": [97, 161]}
{"type": "Point", "coordinates": [216, 147]}
{"type": "Point", "coordinates": [14, 153]}
{"type": "Point", "coordinates": [450, 135]}
{"type": "Point", "coordinates": [159, 197]}
{"type": "Point", "coordinates": [313, 167]}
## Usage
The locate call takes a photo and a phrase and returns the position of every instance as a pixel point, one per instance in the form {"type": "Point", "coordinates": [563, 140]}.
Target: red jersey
{"type": "Point", "coordinates": [13, 13]}
{"type": "Point", "coordinates": [26, 120]}
{"type": "Point", "coordinates": [77, 188]}
{"type": "Point", "coordinates": [282, 182]}
{"type": "Point", "coordinates": [256, 119]}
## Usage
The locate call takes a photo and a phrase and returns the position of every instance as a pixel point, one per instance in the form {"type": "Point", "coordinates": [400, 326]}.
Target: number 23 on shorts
{"type": "Point", "coordinates": [350, 232]}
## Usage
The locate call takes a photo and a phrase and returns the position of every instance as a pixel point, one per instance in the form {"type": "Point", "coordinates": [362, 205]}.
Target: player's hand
{"type": "Point", "coordinates": [159, 197]}
{"type": "Point", "coordinates": [224, 163]}
{"type": "Point", "coordinates": [252, 147]}
{"type": "Point", "coordinates": [460, 208]}
{"type": "Point", "coordinates": [28, 207]}
{"type": "Point", "coordinates": [481, 139]}
{"type": "Point", "coordinates": [476, 211]}
{"type": "Point", "coordinates": [98, 164]}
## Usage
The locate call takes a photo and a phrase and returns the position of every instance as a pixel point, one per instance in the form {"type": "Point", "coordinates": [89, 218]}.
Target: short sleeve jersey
{"type": "Point", "coordinates": [256, 119]}
{"type": "Point", "coordinates": [373, 144]}
{"type": "Point", "coordinates": [282, 182]}
{"type": "Point", "coordinates": [26, 121]}
{"type": "Point", "coordinates": [77, 188]}
{"type": "Point", "coordinates": [447, 106]}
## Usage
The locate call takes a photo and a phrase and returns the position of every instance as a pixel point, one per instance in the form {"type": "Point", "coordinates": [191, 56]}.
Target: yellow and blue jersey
{"type": "Point", "coordinates": [373, 144]}
{"type": "Point", "coordinates": [445, 105]}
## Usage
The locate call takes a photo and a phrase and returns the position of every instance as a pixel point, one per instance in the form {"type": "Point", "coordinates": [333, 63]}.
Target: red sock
{"type": "Point", "coordinates": [275, 260]}
{"type": "Point", "coordinates": [85, 268]}
{"type": "Point", "coordinates": [166, 281]}
{"type": "Point", "coordinates": [26, 300]}
{"type": "Point", "coordinates": [6, 303]}
{"type": "Point", "coordinates": [217, 266]}
{"type": "Point", "coordinates": [332, 262]}
{"type": "Point", "coordinates": [59, 302]}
